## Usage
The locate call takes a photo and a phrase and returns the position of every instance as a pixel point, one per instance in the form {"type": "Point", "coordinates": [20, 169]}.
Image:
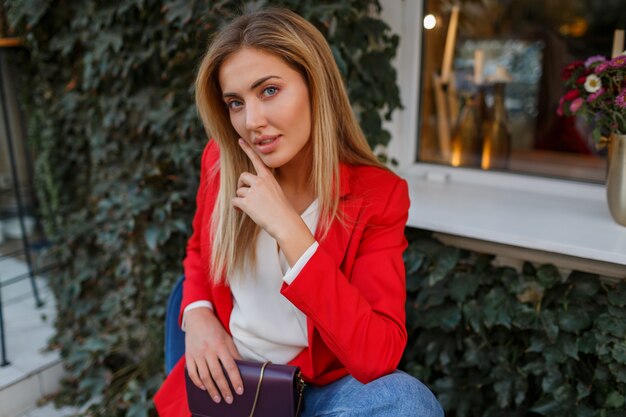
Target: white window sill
{"type": "Point", "coordinates": [538, 214]}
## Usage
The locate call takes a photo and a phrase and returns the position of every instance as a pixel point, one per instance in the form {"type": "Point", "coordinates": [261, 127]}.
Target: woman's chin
{"type": "Point", "coordinates": [274, 160]}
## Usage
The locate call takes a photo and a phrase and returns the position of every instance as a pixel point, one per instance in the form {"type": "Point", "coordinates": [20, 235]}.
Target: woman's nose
{"type": "Point", "coordinates": [255, 117]}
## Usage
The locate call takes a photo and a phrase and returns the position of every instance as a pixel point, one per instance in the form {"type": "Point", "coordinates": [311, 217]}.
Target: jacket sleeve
{"type": "Point", "coordinates": [361, 318]}
{"type": "Point", "coordinates": [197, 286]}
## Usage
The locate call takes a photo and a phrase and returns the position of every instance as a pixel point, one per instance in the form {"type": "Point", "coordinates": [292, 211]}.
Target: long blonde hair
{"type": "Point", "coordinates": [335, 133]}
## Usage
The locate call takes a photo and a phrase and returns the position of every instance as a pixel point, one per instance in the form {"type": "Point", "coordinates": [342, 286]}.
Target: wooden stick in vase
{"type": "Point", "coordinates": [618, 43]}
{"type": "Point", "coordinates": [441, 86]}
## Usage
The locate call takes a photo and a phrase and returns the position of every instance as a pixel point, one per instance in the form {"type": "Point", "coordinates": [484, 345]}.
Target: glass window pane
{"type": "Point", "coordinates": [497, 108]}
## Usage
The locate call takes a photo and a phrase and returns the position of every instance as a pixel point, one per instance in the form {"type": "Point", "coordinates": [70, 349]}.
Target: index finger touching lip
{"type": "Point", "coordinates": [259, 166]}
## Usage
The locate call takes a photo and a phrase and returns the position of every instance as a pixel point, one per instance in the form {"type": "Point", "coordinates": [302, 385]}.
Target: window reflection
{"type": "Point", "coordinates": [491, 103]}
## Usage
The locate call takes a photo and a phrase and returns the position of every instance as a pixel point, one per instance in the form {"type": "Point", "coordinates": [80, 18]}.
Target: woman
{"type": "Point", "coordinates": [296, 255]}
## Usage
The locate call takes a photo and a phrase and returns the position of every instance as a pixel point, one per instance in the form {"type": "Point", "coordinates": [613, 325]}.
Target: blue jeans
{"type": "Point", "coordinates": [394, 395]}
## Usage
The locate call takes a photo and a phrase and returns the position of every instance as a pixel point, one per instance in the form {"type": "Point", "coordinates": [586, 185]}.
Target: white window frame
{"type": "Point", "coordinates": [474, 208]}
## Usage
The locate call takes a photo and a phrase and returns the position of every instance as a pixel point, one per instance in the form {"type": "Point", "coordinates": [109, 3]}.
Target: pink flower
{"type": "Point", "coordinates": [593, 59]}
{"type": "Point", "coordinates": [576, 105]}
{"type": "Point", "coordinates": [594, 96]}
{"type": "Point", "coordinates": [620, 100]}
{"type": "Point", "coordinates": [601, 67]}
{"type": "Point", "coordinates": [618, 62]}
{"type": "Point", "coordinates": [559, 109]}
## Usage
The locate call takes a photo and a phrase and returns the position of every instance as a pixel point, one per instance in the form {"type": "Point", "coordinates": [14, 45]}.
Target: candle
{"type": "Point", "coordinates": [479, 63]}
{"type": "Point", "coordinates": [450, 42]}
{"type": "Point", "coordinates": [618, 43]}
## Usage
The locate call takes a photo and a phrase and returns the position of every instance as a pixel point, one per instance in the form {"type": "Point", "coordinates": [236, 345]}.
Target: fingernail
{"type": "Point", "coordinates": [217, 399]}
{"type": "Point", "coordinates": [239, 390]}
{"type": "Point", "coordinates": [241, 142]}
{"type": "Point", "coordinates": [229, 399]}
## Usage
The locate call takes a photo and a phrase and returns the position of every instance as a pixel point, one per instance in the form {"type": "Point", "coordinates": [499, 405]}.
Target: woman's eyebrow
{"type": "Point", "coordinates": [261, 81]}
{"type": "Point", "coordinates": [253, 86]}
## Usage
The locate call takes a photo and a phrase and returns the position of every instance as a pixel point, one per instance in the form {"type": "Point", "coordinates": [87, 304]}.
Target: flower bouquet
{"type": "Point", "coordinates": [596, 90]}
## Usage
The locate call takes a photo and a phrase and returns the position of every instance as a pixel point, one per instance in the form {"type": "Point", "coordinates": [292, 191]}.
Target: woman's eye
{"type": "Point", "coordinates": [235, 104]}
{"type": "Point", "coordinates": [270, 91]}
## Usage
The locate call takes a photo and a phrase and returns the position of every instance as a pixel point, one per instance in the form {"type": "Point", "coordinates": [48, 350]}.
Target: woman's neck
{"type": "Point", "coordinates": [295, 181]}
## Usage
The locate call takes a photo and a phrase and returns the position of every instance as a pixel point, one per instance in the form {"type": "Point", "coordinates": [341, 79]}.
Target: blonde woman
{"type": "Point", "coordinates": [296, 254]}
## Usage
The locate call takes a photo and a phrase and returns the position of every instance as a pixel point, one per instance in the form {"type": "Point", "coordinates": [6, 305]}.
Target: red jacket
{"type": "Point", "coordinates": [352, 290]}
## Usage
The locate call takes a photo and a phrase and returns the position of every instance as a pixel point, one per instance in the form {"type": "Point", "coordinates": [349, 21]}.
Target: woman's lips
{"type": "Point", "coordinates": [268, 145]}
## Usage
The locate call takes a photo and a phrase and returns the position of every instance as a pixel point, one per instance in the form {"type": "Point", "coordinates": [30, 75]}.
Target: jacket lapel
{"type": "Point", "coordinates": [338, 237]}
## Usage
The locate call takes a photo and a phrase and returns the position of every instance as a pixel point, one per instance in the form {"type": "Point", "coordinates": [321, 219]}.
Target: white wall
{"type": "Point", "coordinates": [405, 18]}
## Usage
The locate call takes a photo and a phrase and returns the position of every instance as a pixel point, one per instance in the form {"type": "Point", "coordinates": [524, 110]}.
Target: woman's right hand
{"type": "Point", "coordinates": [208, 347]}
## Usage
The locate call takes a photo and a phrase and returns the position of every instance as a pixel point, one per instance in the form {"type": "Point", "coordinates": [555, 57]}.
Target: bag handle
{"type": "Point", "coordinates": [258, 388]}
{"type": "Point", "coordinates": [299, 379]}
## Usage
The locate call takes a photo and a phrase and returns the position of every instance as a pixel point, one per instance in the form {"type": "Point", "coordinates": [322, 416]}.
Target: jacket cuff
{"type": "Point", "coordinates": [194, 305]}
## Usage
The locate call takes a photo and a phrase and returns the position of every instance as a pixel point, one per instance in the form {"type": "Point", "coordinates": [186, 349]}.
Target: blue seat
{"type": "Point", "coordinates": [174, 336]}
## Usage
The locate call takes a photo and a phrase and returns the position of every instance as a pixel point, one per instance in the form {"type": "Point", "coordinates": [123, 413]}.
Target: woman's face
{"type": "Point", "coordinates": [269, 106]}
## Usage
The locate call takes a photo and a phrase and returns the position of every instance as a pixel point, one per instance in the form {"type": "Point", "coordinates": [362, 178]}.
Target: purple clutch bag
{"type": "Point", "coordinates": [269, 391]}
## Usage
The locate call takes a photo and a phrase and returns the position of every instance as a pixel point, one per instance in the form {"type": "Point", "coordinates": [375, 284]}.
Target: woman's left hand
{"type": "Point", "coordinates": [261, 197]}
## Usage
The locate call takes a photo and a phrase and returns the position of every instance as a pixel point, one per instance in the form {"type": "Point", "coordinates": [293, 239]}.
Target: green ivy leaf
{"type": "Point", "coordinates": [614, 400]}
{"type": "Point", "coordinates": [495, 308]}
{"type": "Point", "coordinates": [574, 319]}
{"type": "Point", "coordinates": [413, 261]}
{"type": "Point", "coordinates": [151, 235]}
{"type": "Point", "coordinates": [548, 276]}
{"type": "Point", "coordinates": [611, 325]}
{"type": "Point", "coordinates": [587, 343]}
{"type": "Point", "coordinates": [619, 371]}
{"type": "Point", "coordinates": [446, 260]}
{"type": "Point", "coordinates": [446, 318]}
{"type": "Point", "coordinates": [549, 324]}
{"type": "Point", "coordinates": [181, 10]}
{"type": "Point", "coordinates": [583, 286]}
{"type": "Point", "coordinates": [568, 344]}
{"type": "Point", "coordinates": [463, 285]}
{"type": "Point", "coordinates": [619, 352]}
{"type": "Point", "coordinates": [582, 391]}
{"type": "Point", "coordinates": [472, 312]}
{"type": "Point", "coordinates": [536, 367]}
{"type": "Point", "coordinates": [504, 390]}
{"type": "Point", "coordinates": [566, 395]}
{"type": "Point", "coordinates": [341, 63]}
{"type": "Point", "coordinates": [546, 406]}
{"type": "Point", "coordinates": [552, 380]}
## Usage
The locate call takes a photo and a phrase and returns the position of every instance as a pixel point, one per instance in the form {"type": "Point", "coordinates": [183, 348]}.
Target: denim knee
{"type": "Point", "coordinates": [394, 395]}
{"type": "Point", "coordinates": [409, 396]}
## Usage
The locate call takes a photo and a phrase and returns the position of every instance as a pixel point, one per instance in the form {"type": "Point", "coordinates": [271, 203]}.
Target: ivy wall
{"type": "Point", "coordinates": [495, 341]}
{"type": "Point", "coordinates": [108, 94]}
